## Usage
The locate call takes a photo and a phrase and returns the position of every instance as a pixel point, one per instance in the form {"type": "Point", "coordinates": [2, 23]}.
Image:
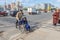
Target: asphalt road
{"type": "Point", "coordinates": [8, 22]}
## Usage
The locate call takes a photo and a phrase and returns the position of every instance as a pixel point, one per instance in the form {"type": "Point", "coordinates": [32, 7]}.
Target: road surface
{"type": "Point", "coordinates": [9, 22]}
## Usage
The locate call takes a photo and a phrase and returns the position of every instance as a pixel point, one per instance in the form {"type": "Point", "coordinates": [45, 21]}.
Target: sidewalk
{"type": "Point", "coordinates": [46, 32]}
{"type": "Point", "coordinates": [6, 35]}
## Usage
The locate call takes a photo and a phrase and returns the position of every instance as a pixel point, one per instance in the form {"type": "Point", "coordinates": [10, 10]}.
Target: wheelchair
{"type": "Point", "coordinates": [23, 25]}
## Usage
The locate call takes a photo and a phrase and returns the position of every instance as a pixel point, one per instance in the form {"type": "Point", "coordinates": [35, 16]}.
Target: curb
{"type": "Point", "coordinates": [12, 37]}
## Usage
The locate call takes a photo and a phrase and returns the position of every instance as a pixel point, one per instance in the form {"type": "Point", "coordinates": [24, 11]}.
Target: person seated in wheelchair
{"type": "Point", "coordinates": [24, 21]}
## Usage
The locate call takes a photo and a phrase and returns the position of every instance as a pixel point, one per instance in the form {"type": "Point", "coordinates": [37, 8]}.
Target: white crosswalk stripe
{"type": "Point", "coordinates": [1, 26]}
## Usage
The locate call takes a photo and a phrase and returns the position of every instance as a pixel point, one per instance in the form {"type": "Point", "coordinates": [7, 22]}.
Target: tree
{"type": "Point", "coordinates": [25, 8]}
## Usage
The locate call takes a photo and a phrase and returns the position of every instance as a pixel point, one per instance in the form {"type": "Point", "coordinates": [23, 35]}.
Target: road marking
{"type": "Point", "coordinates": [1, 26]}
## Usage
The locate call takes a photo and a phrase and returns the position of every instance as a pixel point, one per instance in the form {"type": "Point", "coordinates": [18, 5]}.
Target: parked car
{"type": "Point", "coordinates": [32, 11]}
{"type": "Point", "coordinates": [8, 11]}
{"type": "Point", "coordinates": [13, 13]}
{"type": "Point", "coordinates": [2, 12]}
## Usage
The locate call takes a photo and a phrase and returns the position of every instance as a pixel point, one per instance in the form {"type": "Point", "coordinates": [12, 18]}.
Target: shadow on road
{"type": "Point", "coordinates": [1, 33]}
{"type": "Point", "coordinates": [35, 26]}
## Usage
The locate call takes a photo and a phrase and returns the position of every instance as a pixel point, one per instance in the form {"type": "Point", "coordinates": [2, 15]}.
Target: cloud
{"type": "Point", "coordinates": [25, 1]}
{"type": "Point", "coordinates": [58, 0]}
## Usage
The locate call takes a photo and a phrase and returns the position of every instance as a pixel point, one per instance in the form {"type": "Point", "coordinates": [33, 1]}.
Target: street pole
{"type": "Point", "coordinates": [18, 4]}
{"type": "Point", "coordinates": [5, 4]}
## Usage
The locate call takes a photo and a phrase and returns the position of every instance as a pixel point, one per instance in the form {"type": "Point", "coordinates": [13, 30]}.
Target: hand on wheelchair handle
{"type": "Point", "coordinates": [18, 20]}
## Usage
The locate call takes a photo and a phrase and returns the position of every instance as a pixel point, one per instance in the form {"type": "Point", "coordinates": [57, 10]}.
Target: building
{"type": "Point", "coordinates": [1, 8]}
{"type": "Point", "coordinates": [32, 10]}
{"type": "Point", "coordinates": [9, 7]}
{"type": "Point", "coordinates": [44, 7]}
{"type": "Point", "coordinates": [48, 7]}
{"type": "Point", "coordinates": [16, 6]}
{"type": "Point", "coordinates": [13, 6]}
{"type": "Point", "coordinates": [19, 5]}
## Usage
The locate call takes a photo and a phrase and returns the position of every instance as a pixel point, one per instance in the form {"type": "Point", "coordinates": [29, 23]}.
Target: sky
{"type": "Point", "coordinates": [32, 2]}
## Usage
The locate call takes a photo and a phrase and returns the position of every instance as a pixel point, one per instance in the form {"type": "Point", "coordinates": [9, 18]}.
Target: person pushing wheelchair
{"type": "Point", "coordinates": [18, 17]}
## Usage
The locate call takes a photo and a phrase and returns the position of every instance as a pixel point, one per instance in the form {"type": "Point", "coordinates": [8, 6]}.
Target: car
{"type": "Point", "coordinates": [33, 13]}
{"type": "Point", "coordinates": [2, 12]}
{"type": "Point", "coordinates": [8, 11]}
{"type": "Point", "coordinates": [13, 13]}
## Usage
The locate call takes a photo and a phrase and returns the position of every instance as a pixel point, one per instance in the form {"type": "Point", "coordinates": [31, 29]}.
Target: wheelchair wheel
{"type": "Point", "coordinates": [16, 24]}
{"type": "Point", "coordinates": [21, 28]}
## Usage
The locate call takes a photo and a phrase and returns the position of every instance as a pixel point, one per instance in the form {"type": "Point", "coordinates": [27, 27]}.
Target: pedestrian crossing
{"type": "Point", "coordinates": [50, 26]}
{"type": "Point", "coordinates": [6, 24]}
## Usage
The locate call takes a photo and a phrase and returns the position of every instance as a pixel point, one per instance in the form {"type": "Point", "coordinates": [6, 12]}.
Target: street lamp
{"type": "Point", "coordinates": [5, 2]}
{"type": "Point", "coordinates": [5, 5]}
